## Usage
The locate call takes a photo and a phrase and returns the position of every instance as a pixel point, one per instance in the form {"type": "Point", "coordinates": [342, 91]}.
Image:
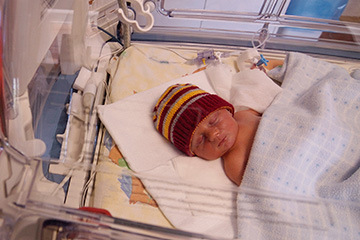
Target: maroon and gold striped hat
{"type": "Point", "coordinates": [179, 111]}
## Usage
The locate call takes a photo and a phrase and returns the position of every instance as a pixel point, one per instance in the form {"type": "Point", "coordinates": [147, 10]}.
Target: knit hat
{"type": "Point", "coordinates": [179, 111]}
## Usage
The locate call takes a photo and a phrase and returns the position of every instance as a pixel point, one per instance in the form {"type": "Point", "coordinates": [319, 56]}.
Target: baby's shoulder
{"type": "Point", "coordinates": [246, 113]}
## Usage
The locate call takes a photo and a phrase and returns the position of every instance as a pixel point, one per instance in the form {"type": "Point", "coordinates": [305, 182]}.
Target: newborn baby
{"type": "Point", "coordinates": [202, 124]}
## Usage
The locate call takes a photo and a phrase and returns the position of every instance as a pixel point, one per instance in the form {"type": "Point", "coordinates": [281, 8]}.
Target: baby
{"type": "Point", "coordinates": [202, 124]}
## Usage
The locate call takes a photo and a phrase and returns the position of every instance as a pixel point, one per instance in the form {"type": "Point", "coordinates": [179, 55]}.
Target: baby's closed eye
{"type": "Point", "coordinates": [214, 120]}
{"type": "Point", "coordinates": [200, 140]}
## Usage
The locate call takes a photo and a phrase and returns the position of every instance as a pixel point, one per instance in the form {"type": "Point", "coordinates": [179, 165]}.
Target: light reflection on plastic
{"type": "Point", "coordinates": [2, 90]}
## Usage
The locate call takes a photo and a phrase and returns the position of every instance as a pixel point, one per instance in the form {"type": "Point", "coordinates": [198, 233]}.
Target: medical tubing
{"type": "Point", "coordinates": [86, 188]}
{"type": "Point", "coordinates": [187, 60]}
{"type": "Point", "coordinates": [262, 42]}
{"type": "Point", "coordinates": [75, 164]}
{"type": "Point", "coordinates": [88, 99]}
{"type": "Point", "coordinates": [113, 38]}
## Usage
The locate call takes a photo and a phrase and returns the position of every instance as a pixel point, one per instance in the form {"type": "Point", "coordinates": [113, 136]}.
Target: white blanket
{"type": "Point", "coordinates": [247, 88]}
{"type": "Point", "coordinates": [307, 145]}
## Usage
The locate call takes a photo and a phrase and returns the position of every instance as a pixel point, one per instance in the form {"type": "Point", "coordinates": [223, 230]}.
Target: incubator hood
{"type": "Point", "coordinates": [48, 46]}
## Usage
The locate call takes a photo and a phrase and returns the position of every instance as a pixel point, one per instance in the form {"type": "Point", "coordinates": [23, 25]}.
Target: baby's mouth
{"type": "Point", "coordinates": [222, 142]}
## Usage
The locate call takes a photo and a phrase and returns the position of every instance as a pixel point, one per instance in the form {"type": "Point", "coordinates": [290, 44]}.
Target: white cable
{"type": "Point", "coordinates": [85, 189]}
{"type": "Point", "coordinates": [265, 39]}
{"type": "Point", "coordinates": [106, 55]}
{"type": "Point", "coordinates": [76, 163]}
{"type": "Point", "coordinates": [87, 100]}
{"type": "Point", "coordinates": [168, 49]}
{"type": "Point", "coordinates": [107, 91]}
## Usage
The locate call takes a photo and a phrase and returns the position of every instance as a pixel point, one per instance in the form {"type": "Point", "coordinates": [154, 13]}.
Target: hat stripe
{"type": "Point", "coordinates": [160, 100]}
{"type": "Point", "coordinates": [175, 107]}
{"type": "Point", "coordinates": [163, 103]}
{"type": "Point", "coordinates": [165, 94]}
{"type": "Point", "coordinates": [167, 100]}
{"type": "Point", "coordinates": [178, 115]}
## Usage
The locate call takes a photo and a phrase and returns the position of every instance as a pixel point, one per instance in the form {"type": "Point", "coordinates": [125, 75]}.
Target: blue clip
{"type": "Point", "coordinates": [262, 61]}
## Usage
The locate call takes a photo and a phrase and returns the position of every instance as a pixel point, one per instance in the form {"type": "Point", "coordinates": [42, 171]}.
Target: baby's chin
{"type": "Point", "coordinates": [210, 157]}
{"type": "Point", "coordinates": [215, 156]}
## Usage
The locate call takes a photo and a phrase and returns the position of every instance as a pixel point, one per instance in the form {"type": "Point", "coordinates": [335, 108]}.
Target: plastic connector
{"type": "Point", "coordinates": [262, 61]}
{"type": "Point", "coordinates": [82, 79]}
{"type": "Point", "coordinates": [90, 90]}
{"type": "Point", "coordinates": [89, 96]}
{"type": "Point", "coordinates": [141, 9]}
{"type": "Point", "coordinates": [203, 57]}
{"type": "Point", "coordinates": [76, 107]}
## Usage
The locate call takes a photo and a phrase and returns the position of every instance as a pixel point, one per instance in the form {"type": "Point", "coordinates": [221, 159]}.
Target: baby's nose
{"type": "Point", "coordinates": [213, 134]}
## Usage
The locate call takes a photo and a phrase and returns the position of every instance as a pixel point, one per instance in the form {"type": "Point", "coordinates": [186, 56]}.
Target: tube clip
{"type": "Point", "coordinates": [141, 7]}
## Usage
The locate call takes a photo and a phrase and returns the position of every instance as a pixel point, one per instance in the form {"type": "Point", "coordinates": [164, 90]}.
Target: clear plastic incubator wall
{"type": "Point", "coordinates": [80, 157]}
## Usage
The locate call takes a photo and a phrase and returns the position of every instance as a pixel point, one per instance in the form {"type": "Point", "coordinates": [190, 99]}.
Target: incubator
{"type": "Point", "coordinates": [79, 158]}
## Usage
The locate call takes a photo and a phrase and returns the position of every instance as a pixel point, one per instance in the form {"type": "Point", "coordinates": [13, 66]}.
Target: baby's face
{"type": "Point", "coordinates": [215, 135]}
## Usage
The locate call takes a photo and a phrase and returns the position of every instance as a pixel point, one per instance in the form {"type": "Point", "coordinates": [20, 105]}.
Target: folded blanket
{"type": "Point", "coordinates": [245, 89]}
{"type": "Point", "coordinates": [129, 122]}
{"type": "Point", "coordinates": [307, 145]}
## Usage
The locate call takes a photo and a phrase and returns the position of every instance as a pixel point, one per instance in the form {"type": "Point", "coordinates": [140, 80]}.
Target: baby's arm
{"type": "Point", "coordinates": [234, 170]}
{"type": "Point", "coordinates": [235, 161]}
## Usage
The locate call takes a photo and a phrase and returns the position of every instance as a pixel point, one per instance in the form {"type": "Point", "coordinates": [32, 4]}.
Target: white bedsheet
{"type": "Point", "coordinates": [307, 144]}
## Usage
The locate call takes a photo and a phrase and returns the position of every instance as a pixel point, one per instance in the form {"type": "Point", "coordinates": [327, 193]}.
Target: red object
{"type": "Point", "coordinates": [96, 210]}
